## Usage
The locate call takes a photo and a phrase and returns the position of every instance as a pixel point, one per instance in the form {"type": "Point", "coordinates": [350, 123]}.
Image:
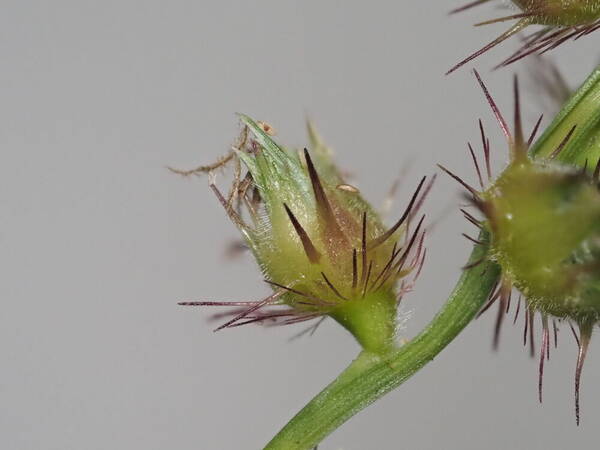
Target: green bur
{"type": "Point", "coordinates": [545, 223]}
{"type": "Point", "coordinates": [320, 244]}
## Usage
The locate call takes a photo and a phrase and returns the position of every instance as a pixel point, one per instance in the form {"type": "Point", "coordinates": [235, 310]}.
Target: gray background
{"type": "Point", "coordinates": [99, 241]}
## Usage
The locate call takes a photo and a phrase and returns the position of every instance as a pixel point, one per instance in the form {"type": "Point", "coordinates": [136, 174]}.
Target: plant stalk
{"type": "Point", "coordinates": [369, 377]}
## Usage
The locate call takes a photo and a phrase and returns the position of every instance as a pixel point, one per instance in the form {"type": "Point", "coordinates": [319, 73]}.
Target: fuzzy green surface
{"type": "Point", "coordinates": [336, 277]}
{"type": "Point", "coordinates": [543, 216]}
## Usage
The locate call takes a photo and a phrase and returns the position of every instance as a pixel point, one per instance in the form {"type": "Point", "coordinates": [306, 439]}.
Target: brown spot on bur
{"type": "Point", "coordinates": [268, 129]}
{"type": "Point", "coordinates": [311, 252]}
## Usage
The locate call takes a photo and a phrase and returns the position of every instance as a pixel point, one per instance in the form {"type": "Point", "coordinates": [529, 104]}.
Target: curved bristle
{"type": "Point", "coordinates": [521, 24]}
{"type": "Point", "coordinates": [381, 239]}
{"type": "Point", "coordinates": [585, 336]}
{"type": "Point", "coordinates": [495, 109]}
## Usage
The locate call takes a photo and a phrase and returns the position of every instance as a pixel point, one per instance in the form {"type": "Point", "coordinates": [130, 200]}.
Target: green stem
{"type": "Point", "coordinates": [582, 111]}
{"type": "Point", "coordinates": [370, 377]}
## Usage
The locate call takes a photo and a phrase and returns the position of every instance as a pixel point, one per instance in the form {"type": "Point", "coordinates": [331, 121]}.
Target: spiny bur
{"type": "Point", "coordinates": [543, 222]}
{"type": "Point", "coordinates": [321, 247]}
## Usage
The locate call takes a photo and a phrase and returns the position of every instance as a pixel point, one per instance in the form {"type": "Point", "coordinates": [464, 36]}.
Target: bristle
{"type": "Point", "coordinates": [311, 252]}
{"type": "Point", "coordinates": [398, 266]}
{"type": "Point", "coordinates": [496, 111]}
{"type": "Point", "coordinates": [474, 264]}
{"type": "Point", "coordinates": [476, 164]}
{"type": "Point", "coordinates": [531, 341]}
{"type": "Point", "coordinates": [269, 316]}
{"type": "Point", "coordinates": [545, 345]}
{"type": "Point", "coordinates": [494, 294]}
{"type": "Point", "coordinates": [422, 197]}
{"type": "Point", "coordinates": [270, 299]}
{"type": "Point", "coordinates": [518, 309]}
{"type": "Point", "coordinates": [505, 19]}
{"type": "Point", "coordinates": [381, 239]}
{"type": "Point", "coordinates": [470, 218]}
{"type": "Point", "coordinates": [308, 330]}
{"type": "Point", "coordinates": [504, 290]}
{"type": "Point", "coordinates": [300, 293]}
{"type": "Point", "coordinates": [486, 150]}
{"type": "Point", "coordinates": [420, 265]}
{"type": "Point", "coordinates": [323, 205]}
{"type": "Point", "coordinates": [585, 330]}
{"type": "Point", "coordinates": [367, 278]}
{"type": "Point", "coordinates": [562, 144]}
{"type": "Point", "coordinates": [332, 287]}
{"type": "Point", "coordinates": [548, 39]}
{"type": "Point", "coordinates": [532, 46]}
{"type": "Point", "coordinates": [511, 31]}
{"type": "Point", "coordinates": [555, 332]}
{"type": "Point", "coordinates": [534, 131]}
{"type": "Point", "coordinates": [354, 269]}
{"type": "Point", "coordinates": [387, 266]}
{"type": "Point", "coordinates": [472, 239]}
{"type": "Point", "coordinates": [468, 6]}
{"type": "Point", "coordinates": [575, 335]}
{"type": "Point", "coordinates": [526, 325]}
{"type": "Point", "coordinates": [596, 174]}
{"type": "Point", "coordinates": [460, 181]}
{"type": "Point", "coordinates": [364, 248]}
{"type": "Point", "coordinates": [519, 148]}
{"type": "Point", "coordinates": [203, 303]}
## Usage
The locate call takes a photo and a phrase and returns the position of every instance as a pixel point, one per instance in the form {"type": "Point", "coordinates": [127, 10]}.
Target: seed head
{"type": "Point", "coordinates": [543, 219]}
{"type": "Point", "coordinates": [320, 246]}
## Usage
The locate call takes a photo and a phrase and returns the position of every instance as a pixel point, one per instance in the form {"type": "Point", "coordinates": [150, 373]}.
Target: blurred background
{"type": "Point", "coordinates": [99, 241]}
